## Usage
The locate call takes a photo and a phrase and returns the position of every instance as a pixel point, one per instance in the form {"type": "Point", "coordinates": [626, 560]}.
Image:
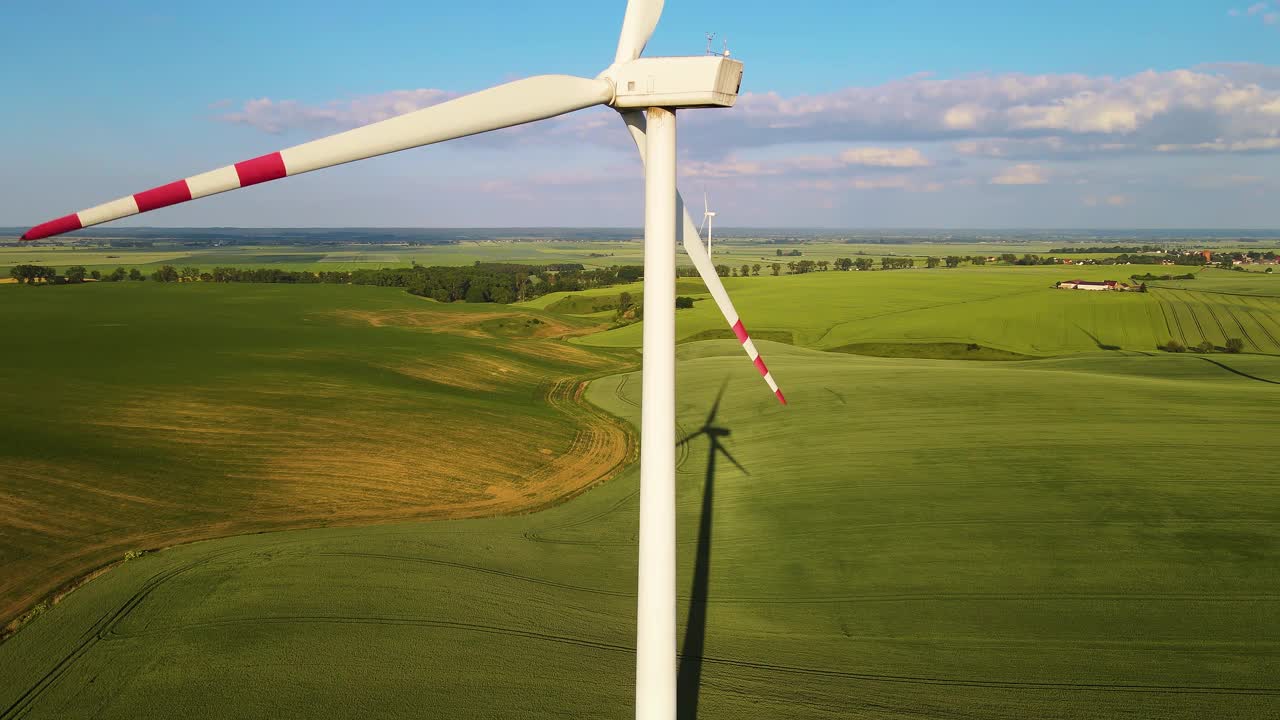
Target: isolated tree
{"type": "Point", "coordinates": [1204, 347]}
{"type": "Point", "coordinates": [932, 262]}
{"type": "Point", "coordinates": [776, 268]}
{"type": "Point", "coordinates": [166, 273]}
{"type": "Point", "coordinates": [755, 270]}
{"type": "Point", "coordinates": [684, 303]}
{"type": "Point", "coordinates": [722, 270]}
{"type": "Point", "coordinates": [778, 252]}
{"type": "Point", "coordinates": [189, 274]}
{"type": "Point", "coordinates": [953, 261]}
{"type": "Point", "coordinates": [1235, 345]}
{"type": "Point", "coordinates": [822, 265]}
{"type": "Point", "coordinates": [1174, 346]}
{"type": "Point", "coordinates": [136, 275]}
{"type": "Point", "coordinates": [76, 274]}
{"type": "Point", "coordinates": [746, 270]}
{"type": "Point", "coordinates": [625, 302]}
{"type": "Point", "coordinates": [117, 275]}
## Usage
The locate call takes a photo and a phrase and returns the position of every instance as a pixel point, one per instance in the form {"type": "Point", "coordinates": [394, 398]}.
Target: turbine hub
{"type": "Point", "coordinates": [675, 82]}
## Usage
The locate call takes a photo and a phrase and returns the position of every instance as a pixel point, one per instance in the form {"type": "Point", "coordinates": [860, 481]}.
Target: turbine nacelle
{"type": "Point", "coordinates": [675, 82]}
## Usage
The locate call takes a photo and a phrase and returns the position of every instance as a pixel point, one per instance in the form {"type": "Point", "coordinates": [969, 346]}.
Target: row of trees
{"type": "Point", "coordinates": [482, 282]}
{"type": "Point", "coordinates": [31, 274]}
{"type": "Point", "coordinates": [1149, 277]}
{"type": "Point", "coordinates": [1234, 345]}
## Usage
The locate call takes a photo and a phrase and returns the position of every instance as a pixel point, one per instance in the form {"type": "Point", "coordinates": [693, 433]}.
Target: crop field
{"type": "Point", "coordinates": [143, 415]}
{"type": "Point", "coordinates": [1090, 534]}
{"type": "Point", "coordinates": [328, 257]}
{"type": "Point", "coordinates": [1009, 309]}
{"type": "Point", "coordinates": [733, 251]}
{"type": "Point", "coordinates": [1068, 539]}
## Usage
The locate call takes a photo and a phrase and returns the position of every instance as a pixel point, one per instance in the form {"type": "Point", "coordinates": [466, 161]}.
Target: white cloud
{"type": "Point", "coordinates": [1022, 174]}
{"type": "Point", "coordinates": [1067, 114]}
{"type": "Point", "coordinates": [884, 157]}
{"type": "Point", "coordinates": [856, 157]}
{"type": "Point", "coordinates": [1107, 200]}
{"type": "Point", "coordinates": [1218, 182]}
{"type": "Point", "coordinates": [277, 116]}
{"type": "Point", "coordinates": [1224, 146]}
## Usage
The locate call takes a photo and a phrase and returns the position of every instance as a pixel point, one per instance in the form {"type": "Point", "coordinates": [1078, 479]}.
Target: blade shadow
{"type": "Point", "coordinates": [689, 673]}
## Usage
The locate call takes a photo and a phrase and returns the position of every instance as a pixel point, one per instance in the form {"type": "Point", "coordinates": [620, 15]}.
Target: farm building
{"type": "Point", "coordinates": [1088, 285]}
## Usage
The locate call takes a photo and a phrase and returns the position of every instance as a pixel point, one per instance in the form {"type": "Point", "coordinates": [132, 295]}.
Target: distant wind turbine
{"type": "Point", "coordinates": [706, 220]}
{"type": "Point", "coordinates": [647, 92]}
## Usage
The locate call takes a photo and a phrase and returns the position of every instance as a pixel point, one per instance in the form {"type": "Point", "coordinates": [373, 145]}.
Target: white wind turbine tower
{"type": "Point", "coordinates": [647, 92]}
{"type": "Point", "coordinates": [707, 216]}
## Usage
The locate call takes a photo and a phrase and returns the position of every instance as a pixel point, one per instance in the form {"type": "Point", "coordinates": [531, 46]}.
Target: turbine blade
{"type": "Point", "coordinates": [514, 103]}
{"type": "Point", "coordinates": [689, 438]}
{"type": "Point", "coordinates": [715, 407]}
{"type": "Point", "coordinates": [736, 464]}
{"type": "Point", "coordinates": [692, 242]}
{"type": "Point", "coordinates": [637, 27]}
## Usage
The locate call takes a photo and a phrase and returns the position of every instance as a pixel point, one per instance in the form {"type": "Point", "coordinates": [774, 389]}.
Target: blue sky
{"type": "Point", "coordinates": [993, 114]}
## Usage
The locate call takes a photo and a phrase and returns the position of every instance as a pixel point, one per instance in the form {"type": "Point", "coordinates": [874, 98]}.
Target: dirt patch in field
{"type": "Point", "coordinates": [227, 465]}
{"type": "Point", "coordinates": [457, 323]}
{"type": "Point", "coordinates": [483, 324]}
{"type": "Point", "coordinates": [468, 371]}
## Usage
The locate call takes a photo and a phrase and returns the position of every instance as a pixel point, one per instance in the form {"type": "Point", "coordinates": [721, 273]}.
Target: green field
{"type": "Point", "coordinates": [1009, 309]}
{"type": "Point", "coordinates": [137, 415]}
{"type": "Point", "coordinates": [1098, 564]}
{"type": "Point", "coordinates": [1093, 534]}
{"type": "Point", "coordinates": [732, 251]}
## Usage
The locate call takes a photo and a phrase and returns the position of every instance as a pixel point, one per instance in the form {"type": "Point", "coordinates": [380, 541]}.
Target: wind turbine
{"type": "Point", "coordinates": [647, 92]}
{"type": "Point", "coordinates": [707, 215]}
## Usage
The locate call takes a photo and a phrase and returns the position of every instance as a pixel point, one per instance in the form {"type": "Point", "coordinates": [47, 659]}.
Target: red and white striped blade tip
{"type": "Point", "coordinates": [61, 225]}
{"type": "Point", "coordinates": [741, 332]}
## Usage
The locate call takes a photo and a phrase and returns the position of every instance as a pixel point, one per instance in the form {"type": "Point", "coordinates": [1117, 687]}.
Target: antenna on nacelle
{"type": "Point", "coordinates": [726, 47]}
{"type": "Point", "coordinates": [710, 38]}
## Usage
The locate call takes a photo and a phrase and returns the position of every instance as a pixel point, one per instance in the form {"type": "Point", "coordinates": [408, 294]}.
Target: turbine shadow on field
{"type": "Point", "coordinates": [689, 675]}
{"type": "Point", "coordinates": [1101, 345]}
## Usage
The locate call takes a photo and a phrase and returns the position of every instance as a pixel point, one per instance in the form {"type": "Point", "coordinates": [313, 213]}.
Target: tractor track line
{"type": "Point", "coordinates": [753, 665]}
{"type": "Point", "coordinates": [1194, 318]}
{"type": "Point", "coordinates": [1208, 304]}
{"type": "Point", "coordinates": [1166, 308]}
{"type": "Point", "coordinates": [1243, 331]}
{"type": "Point", "coordinates": [104, 626]}
{"type": "Point", "coordinates": [1263, 313]}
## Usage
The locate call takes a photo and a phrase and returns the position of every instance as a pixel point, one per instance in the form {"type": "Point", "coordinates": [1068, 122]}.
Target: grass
{"type": "Point", "coordinates": [139, 415]}
{"type": "Point", "coordinates": [935, 351]}
{"type": "Point", "coordinates": [732, 251]}
{"type": "Point", "coordinates": [1078, 537]}
{"type": "Point", "coordinates": [1093, 534]}
{"type": "Point", "coordinates": [1013, 310]}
